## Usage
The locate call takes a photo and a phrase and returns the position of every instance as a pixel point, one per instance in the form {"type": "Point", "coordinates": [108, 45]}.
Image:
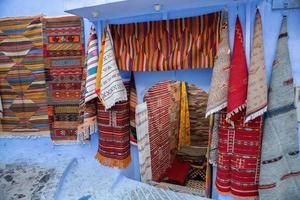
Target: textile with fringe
{"type": "Point", "coordinates": [114, 136]}
{"type": "Point", "coordinates": [238, 77]}
{"type": "Point", "coordinates": [239, 143]}
{"type": "Point", "coordinates": [217, 98]}
{"type": "Point", "coordinates": [109, 85]}
{"type": "Point", "coordinates": [257, 92]}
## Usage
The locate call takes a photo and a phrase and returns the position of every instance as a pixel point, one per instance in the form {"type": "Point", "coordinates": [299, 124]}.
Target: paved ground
{"type": "Point", "coordinates": [34, 169]}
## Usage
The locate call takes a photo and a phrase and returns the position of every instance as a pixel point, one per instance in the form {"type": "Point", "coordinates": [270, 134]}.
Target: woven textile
{"type": "Point", "coordinates": [280, 169]}
{"type": "Point", "coordinates": [185, 43]}
{"type": "Point", "coordinates": [114, 136]}
{"type": "Point", "coordinates": [239, 157]}
{"type": "Point", "coordinates": [239, 143]}
{"type": "Point", "coordinates": [238, 77]}
{"type": "Point", "coordinates": [92, 64]}
{"type": "Point", "coordinates": [217, 99]}
{"type": "Point", "coordinates": [132, 105]}
{"type": "Point", "coordinates": [64, 57]}
{"type": "Point", "coordinates": [22, 77]}
{"type": "Point", "coordinates": [175, 117]}
{"type": "Point", "coordinates": [184, 137]}
{"type": "Point", "coordinates": [1, 109]}
{"type": "Point", "coordinates": [158, 99]}
{"type": "Point", "coordinates": [87, 105]}
{"type": "Point", "coordinates": [213, 146]}
{"type": "Point", "coordinates": [109, 85]}
{"type": "Point", "coordinates": [199, 124]}
{"type": "Point", "coordinates": [143, 142]}
{"type": "Point", "coordinates": [257, 94]}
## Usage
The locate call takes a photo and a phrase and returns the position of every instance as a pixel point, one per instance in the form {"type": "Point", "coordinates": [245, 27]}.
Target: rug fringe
{"type": "Point", "coordinates": [235, 111]}
{"type": "Point", "coordinates": [256, 114]}
{"type": "Point", "coordinates": [113, 162]}
{"type": "Point", "coordinates": [216, 109]}
{"type": "Point", "coordinates": [123, 97]}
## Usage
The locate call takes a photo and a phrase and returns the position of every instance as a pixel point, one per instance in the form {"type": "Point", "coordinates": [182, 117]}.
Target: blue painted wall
{"type": "Point", "coordinates": [271, 25]}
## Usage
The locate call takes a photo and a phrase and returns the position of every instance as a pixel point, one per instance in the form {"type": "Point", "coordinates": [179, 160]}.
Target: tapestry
{"type": "Point", "coordinates": [64, 58]}
{"type": "Point", "coordinates": [199, 125]}
{"type": "Point", "coordinates": [87, 104]}
{"type": "Point", "coordinates": [213, 144]}
{"type": "Point", "coordinates": [217, 98]}
{"type": "Point", "coordinates": [257, 95]}
{"type": "Point", "coordinates": [158, 99]}
{"type": "Point", "coordinates": [92, 64]}
{"type": "Point", "coordinates": [184, 43]}
{"type": "Point", "coordinates": [87, 114]}
{"type": "Point", "coordinates": [132, 105]}
{"type": "Point", "coordinates": [143, 142]}
{"type": "Point", "coordinates": [280, 169]}
{"type": "Point", "coordinates": [184, 137]}
{"type": "Point", "coordinates": [238, 77]}
{"type": "Point", "coordinates": [239, 157]}
{"type": "Point", "coordinates": [22, 77]}
{"type": "Point", "coordinates": [114, 136]}
{"type": "Point", "coordinates": [109, 85]}
{"type": "Point", "coordinates": [239, 143]}
{"type": "Point", "coordinates": [175, 117]}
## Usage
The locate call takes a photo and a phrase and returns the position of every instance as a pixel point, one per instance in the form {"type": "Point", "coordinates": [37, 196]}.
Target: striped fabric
{"type": "Point", "coordinates": [158, 99]}
{"type": "Point", "coordinates": [143, 142]}
{"type": "Point", "coordinates": [184, 43]}
{"type": "Point", "coordinates": [64, 58]}
{"type": "Point", "coordinates": [109, 85]}
{"type": "Point", "coordinates": [92, 64]}
{"type": "Point", "coordinates": [280, 168]}
{"type": "Point", "coordinates": [87, 114]}
{"type": "Point", "coordinates": [114, 139]}
{"type": "Point", "coordinates": [132, 105]}
{"type": "Point", "coordinates": [239, 157]}
{"type": "Point", "coordinates": [22, 77]}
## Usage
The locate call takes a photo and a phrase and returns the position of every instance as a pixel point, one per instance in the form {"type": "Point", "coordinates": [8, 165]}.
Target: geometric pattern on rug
{"type": "Point", "coordinates": [64, 57]}
{"type": "Point", "coordinates": [22, 77]}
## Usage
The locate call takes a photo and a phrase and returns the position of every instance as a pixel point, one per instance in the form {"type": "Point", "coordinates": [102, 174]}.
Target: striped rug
{"type": "Point", "coordinates": [64, 58]}
{"type": "Point", "coordinates": [22, 77]}
{"type": "Point", "coordinates": [184, 43]}
{"type": "Point", "coordinates": [92, 64]}
{"type": "Point", "coordinates": [114, 135]}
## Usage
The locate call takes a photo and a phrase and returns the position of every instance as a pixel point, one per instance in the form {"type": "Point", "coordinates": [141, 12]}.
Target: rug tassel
{"type": "Point", "coordinates": [256, 114]}
{"type": "Point", "coordinates": [235, 111]}
{"type": "Point", "coordinates": [113, 162]}
{"type": "Point", "coordinates": [216, 109]}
